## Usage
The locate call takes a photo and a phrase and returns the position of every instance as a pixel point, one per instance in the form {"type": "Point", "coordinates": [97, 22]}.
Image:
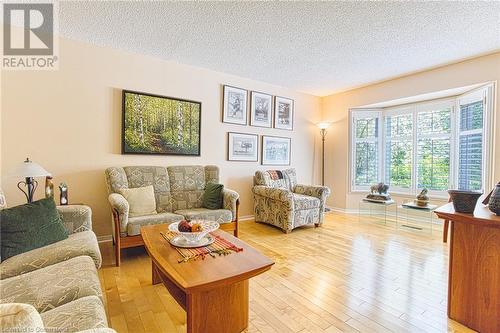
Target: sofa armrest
{"type": "Point", "coordinates": [78, 244]}
{"type": "Point", "coordinates": [279, 194]}
{"type": "Point", "coordinates": [19, 317]}
{"type": "Point", "coordinates": [76, 218]}
{"type": "Point", "coordinates": [230, 200]}
{"type": "Point", "coordinates": [317, 191]}
{"type": "Point", "coordinates": [121, 206]}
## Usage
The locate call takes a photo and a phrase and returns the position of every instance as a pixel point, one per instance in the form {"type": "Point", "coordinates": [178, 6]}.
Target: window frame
{"type": "Point", "coordinates": [486, 93]}
{"type": "Point", "coordinates": [362, 113]}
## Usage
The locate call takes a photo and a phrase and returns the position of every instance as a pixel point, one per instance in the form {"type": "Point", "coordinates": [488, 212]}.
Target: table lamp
{"type": "Point", "coordinates": [29, 170]}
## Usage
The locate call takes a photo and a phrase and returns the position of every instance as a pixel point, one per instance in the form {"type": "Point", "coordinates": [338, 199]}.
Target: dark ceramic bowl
{"type": "Point", "coordinates": [464, 201]}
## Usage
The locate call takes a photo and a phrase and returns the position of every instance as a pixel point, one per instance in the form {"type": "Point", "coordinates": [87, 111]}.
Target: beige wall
{"type": "Point", "coordinates": [69, 122]}
{"type": "Point", "coordinates": [335, 108]}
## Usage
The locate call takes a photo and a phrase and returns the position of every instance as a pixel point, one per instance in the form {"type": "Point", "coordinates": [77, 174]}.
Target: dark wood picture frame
{"type": "Point", "coordinates": [123, 130]}
{"type": "Point", "coordinates": [263, 150]}
{"type": "Point", "coordinates": [252, 106]}
{"type": "Point", "coordinates": [229, 147]}
{"type": "Point", "coordinates": [224, 106]}
{"type": "Point", "coordinates": [276, 110]}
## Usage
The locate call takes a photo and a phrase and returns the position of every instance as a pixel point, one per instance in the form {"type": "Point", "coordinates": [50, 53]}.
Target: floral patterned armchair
{"type": "Point", "coordinates": [280, 201]}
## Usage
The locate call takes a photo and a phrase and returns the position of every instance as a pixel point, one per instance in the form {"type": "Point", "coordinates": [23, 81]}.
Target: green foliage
{"type": "Point", "coordinates": [161, 125]}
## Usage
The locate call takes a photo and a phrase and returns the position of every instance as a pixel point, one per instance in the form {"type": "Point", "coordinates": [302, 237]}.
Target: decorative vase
{"type": "Point", "coordinates": [63, 188]}
{"type": "Point", "coordinates": [49, 187]}
{"type": "Point", "coordinates": [494, 203]}
{"type": "Point", "coordinates": [464, 201]}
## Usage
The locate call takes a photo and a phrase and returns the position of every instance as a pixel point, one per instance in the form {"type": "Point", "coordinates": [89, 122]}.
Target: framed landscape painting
{"type": "Point", "coordinates": [260, 109]}
{"type": "Point", "coordinates": [242, 147]}
{"type": "Point", "coordinates": [235, 105]}
{"type": "Point", "coordinates": [283, 113]}
{"type": "Point", "coordinates": [159, 125]}
{"type": "Point", "coordinates": [276, 150]}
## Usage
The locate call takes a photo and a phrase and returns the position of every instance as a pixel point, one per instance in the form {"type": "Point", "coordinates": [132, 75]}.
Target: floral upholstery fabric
{"type": "Point", "coordinates": [305, 202]}
{"type": "Point", "coordinates": [63, 282]}
{"type": "Point", "coordinates": [220, 215]}
{"type": "Point", "coordinates": [76, 218]}
{"type": "Point", "coordinates": [286, 204]}
{"type": "Point", "coordinates": [135, 223]}
{"type": "Point", "coordinates": [16, 317]}
{"type": "Point", "coordinates": [3, 202]}
{"type": "Point", "coordinates": [82, 314]}
{"type": "Point", "coordinates": [77, 244]}
{"type": "Point", "coordinates": [176, 188]}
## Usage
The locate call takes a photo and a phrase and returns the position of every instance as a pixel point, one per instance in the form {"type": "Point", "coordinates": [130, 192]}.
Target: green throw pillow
{"type": "Point", "coordinates": [212, 198]}
{"type": "Point", "coordinates": [30, 226]}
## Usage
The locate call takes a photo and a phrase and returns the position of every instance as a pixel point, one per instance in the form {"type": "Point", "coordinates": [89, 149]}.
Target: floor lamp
{"type": "Point", "coordinates": [323, 127]}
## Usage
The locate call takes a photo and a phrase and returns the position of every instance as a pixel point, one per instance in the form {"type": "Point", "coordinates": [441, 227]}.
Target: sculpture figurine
{"type": "Point", "coordinates": [63, 188]}
{"type": "Point", "coordinates": [379, 193]}
{"type": "Point", "coordinates": [422, 199]}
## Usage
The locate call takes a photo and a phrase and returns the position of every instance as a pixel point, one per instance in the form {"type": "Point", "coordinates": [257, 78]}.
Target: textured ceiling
{"type": "Point", "coordinates": [314, 47]}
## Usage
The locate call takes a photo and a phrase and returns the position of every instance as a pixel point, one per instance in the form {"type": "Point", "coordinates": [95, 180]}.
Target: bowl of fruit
{"type": "Point", "coordinates": [195, 230]}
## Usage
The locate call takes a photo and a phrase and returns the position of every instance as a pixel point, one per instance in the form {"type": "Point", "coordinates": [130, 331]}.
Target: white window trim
{"type": "Point", "coordinates": [485, 92]}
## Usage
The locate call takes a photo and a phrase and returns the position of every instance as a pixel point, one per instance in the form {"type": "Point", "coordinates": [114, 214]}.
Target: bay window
{"type": "Point", "coordinates": [436, 145]}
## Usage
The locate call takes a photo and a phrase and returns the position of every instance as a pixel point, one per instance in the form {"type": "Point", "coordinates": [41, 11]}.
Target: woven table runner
{"type": "Point", "coordinates": [219, 247]}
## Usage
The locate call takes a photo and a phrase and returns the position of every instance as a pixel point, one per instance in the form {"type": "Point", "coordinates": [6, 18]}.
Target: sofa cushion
{"type": "Point", "coordinates": [220, 215]}
{"type": "Point", "coordinates": [30, 226]}
{"type": "Point", "coordinates": [78, 244]}
{"type": "Point", "coordinates": [135, 223]}
{"type": "Point", "coordinates": [212, 197]}
{"type": "Point", "coordinates": [186, 178]}
{"type": "Point", "coordinates": [141, 200]}
{"type": "Point", "coordinates": [83, 314]}
{"type": "Point", "coordinates": [53, 286]}
{"type": "Point", "coordinates": [17, 317]}
{"type": "Point", "coordinates": [157, 176]}
{"type": "Point", "coordinates": [305, 202]}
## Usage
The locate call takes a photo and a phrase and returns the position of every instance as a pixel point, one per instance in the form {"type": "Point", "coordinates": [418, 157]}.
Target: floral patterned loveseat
{"type": "Point", "coordinates": [280, 201]}
{"type": "Point", "coordinates": [178, 194]}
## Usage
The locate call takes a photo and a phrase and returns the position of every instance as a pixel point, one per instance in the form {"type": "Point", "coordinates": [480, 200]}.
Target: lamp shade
{"type": "Point", "coordinates": [30, 169]}
{"type": "Point", "coordinates": [323, 125]}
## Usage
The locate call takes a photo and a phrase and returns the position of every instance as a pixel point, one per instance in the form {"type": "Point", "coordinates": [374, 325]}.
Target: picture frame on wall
{"type": "Point", "coordinates": [242, 147]}
{"type": "Point", "coordinates": [261, 109]}
{"type": "Point", "coordinates": [160, 125]}
{"type": "Point", "coordinates": [276, 150]}
{"type": "Point", "coordinates": [235, 103]}
{"type": "Point", "coordinates": [283, 113]}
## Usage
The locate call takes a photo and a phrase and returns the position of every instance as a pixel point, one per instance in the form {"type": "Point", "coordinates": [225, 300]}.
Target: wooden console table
{"type": "Point", "coordinates": [474, 268]}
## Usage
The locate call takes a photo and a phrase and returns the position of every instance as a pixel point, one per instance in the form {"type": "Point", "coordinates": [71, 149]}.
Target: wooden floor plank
{"type": "Point", "coordinates": [349, 275]}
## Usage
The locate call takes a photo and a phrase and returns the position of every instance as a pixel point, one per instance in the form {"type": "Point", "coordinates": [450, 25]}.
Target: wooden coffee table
{"type": "Point", "coordinates": [214, 291]}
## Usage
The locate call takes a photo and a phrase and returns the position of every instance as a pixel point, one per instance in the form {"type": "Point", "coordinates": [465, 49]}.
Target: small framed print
{"type": "Point", "coordinates": [283, 113]}
{"type": "Point", "coordinates": [260, 109]}
{"type": "Point", "coordinates": [242, 147]}
{"type": "Point", "coordinates": [235, 105]}
{"type": "Point", "coordinates": [276, 150]}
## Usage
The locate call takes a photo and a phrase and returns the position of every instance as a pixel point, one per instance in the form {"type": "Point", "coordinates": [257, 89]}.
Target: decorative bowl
{"type": "Point", "coordinates": [421, 203]}
{"type": "Point", "coordinates": [195, 237]}
{"type": "Point", "coordinates": [464, 201]}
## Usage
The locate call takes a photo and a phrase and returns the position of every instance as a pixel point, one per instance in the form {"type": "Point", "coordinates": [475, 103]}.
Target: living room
{"type": "Point", "coordinates": [335, 158]}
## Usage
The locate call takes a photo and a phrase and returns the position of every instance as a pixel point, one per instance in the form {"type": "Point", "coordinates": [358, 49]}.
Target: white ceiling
{"type": "Point", "coordinates": [314, 47]}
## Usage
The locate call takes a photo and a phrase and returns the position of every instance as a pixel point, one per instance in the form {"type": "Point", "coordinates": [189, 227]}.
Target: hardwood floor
{"type": "Point", "coordinates": [346, 276]}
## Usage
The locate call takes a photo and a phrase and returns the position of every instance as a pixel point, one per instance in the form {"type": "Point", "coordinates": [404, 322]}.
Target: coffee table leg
{"type": "Point", "coordinates": [221, 310]}
{"type": "Point", "coordinates": [155, 274]}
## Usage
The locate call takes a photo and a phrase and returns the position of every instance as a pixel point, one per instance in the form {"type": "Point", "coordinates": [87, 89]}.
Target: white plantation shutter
{"type": "Point", "coordinates": [434, 132]}
{"type": "Point", "coordinates": [399, 150]}
{"type": "Point", "coordinates": [366, 149]}
{"type": "Point", "coordinates": [470, 145]}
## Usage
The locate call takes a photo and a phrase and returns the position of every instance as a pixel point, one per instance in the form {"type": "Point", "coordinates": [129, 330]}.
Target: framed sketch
{"type": "Point", "coordinates": [160, 125]}
{"type": "Point", "coordinates": [242, 147]}
{"type": "Point", "coordinates": [283, 113]}
{"type": "Point", "coordinates": [276, 150]}
{"type": "Point", "coordinates": [235, 105]}
{"type": "Point", "coordinates": [260, 109]}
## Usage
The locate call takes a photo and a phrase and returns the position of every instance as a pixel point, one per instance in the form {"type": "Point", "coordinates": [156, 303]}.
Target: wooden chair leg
{"type": "Point", "coordinates": [236, 227]}
{"type": "Point", "coordinates": [116, 221]}
{"type": "Point", "coordinates": [445, 230]}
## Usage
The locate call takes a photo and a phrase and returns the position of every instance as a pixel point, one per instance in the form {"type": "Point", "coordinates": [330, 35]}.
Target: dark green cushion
{"type": "Point", "coordinates": [212, 198]}
{"type": "Point", "coordinates": [30, 226]}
